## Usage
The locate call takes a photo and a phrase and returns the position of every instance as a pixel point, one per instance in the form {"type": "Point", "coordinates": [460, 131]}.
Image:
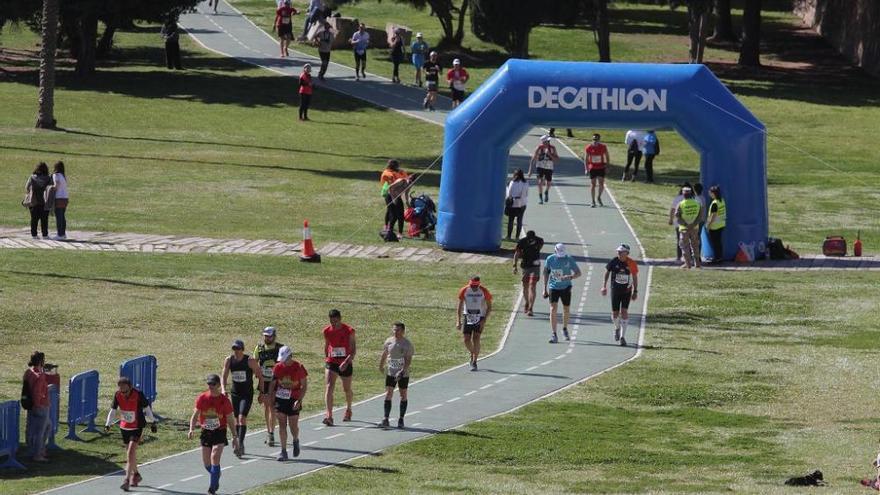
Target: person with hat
{"type": "Point", "coordinates": [339, 351]}
{"type": "Point", "coordinates": [457, 77]}
{"type": "Point", "coordinates": [305, 92]}
{"type": "Point", "coordinates": [624, 275]}
{"type": "Point", "coordinates": [688, 213]}
{"type": "Point", "coordinates": [673, 220]}
{"type": "Point", "coordinates": [283, 25]}
{"type": "Point", "coordinates": [419, 49]}
{"type": "Point", "coordinates": [133, 411]}
{"type": "Point", "coordinates": [475, 305]}
{"type": "Point", "coordinates": [528, 252]}
{"type": "Point", "coordinates": [543, 159]}
{"type": "Point", "coordinates": [596, 159]}
{"type": "Point", "coordinates": [432, 80]}
{"type": "Point", "coordinates": [213, 413]}
{"type": "Point", "coordinates": [397, 353]}
{"type": "Point", "coordinates": [267, 355]}
{"type": "Point", "coordinates": [559, 270]}
{"type": "Point", "coordinates": [242, 368]}
{"type": "Point", "coordinates": [360, 41]}
{"type": "Point", "coordinates": [288, 387]}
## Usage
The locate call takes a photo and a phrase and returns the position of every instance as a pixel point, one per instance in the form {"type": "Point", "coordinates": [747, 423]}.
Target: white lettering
{"type": "Point", "coordinates": [594, 96]}
{"type": "Point", "coordinates": [609, 99]}
{"type": "Point", "coordinates": [631, 103]}
{"type": "Point", "coordinates": [568, 90]}
{"type": "Point", "coordinates": [537, 96]}
{"type": "Point", "coordinates": [552, 97]}
{"type": "Point", "coordinates": [657, 101]}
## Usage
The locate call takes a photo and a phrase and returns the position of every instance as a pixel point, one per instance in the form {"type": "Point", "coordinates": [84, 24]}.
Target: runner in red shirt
{"type": "Point", "coordinates": [339, 349]}
{"type": "Point", "coordinates": [288, 386]}
{"type": "Point", "coordinates": [595, 160]}
{"type": "Point", "coordinates": [133, 410]}
{"type": "Point", "coordinates": [457, 77]}
{"type": "Point", "coordinates": [305, 92]}
{"type": "Point", "coordinates": [214, 414]}
{"type": "Point", "coordinates": [474, 304]}
{"type": "Point", "coordinates": [284, 25]}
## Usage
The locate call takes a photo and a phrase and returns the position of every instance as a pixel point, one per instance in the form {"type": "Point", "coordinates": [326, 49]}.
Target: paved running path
{"type": "Point", "coordinates": [525, 369]}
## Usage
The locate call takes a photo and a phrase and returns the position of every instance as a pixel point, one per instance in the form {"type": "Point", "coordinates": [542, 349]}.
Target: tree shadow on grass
{"type": "Point", "coordinates": [66, 462]}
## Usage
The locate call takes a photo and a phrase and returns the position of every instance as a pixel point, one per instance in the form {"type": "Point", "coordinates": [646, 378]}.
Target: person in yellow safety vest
{"type": "Point", "coordinates": [688, 213]}
{"type": "Point", "coordinates": [716, 223]}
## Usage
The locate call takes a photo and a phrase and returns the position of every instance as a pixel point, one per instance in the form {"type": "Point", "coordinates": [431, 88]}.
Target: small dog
{"type": "Point", "coordinates": [813, 479]}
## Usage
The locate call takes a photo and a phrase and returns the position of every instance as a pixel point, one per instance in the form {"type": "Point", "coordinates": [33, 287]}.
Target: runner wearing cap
{"type": "Point", "coordinates": [475, 304]}
{"type": "Point", "coordinates": [528, 250]}
{"type": "Point", "coordinates": [397, 353]}
{"type": "Point", "coordinates": [624, 274]}
{"type": "Point", "coordinates": [243, 368]}
{"type": "Point", "coordinates": [213, 413]}
{"type": "Point", "coordinates": [596, 159]}
{"type": "Point", "coordinates": [133, 410]}
{"type": "Point", "coordinates": [339, 351]}
{"type": "Point", "coordinates": [432, 79]}
{"type": "Point", "coordinates": [267, 354]}
{"type": "Point", "coordinates": [559, 270]}
{"type": "Point", "coordinates": [288, 387]}
{"type": "Point", "coordinates": [457, 77]}
{"type": "Point", "coordinates": [419, 50]}
{"type": "Point", "coordinates": [544, 157]}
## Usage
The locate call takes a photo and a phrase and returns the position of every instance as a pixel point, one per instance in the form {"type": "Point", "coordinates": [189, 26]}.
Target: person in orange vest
{"type": "Point", "coordinates": [596, 159]}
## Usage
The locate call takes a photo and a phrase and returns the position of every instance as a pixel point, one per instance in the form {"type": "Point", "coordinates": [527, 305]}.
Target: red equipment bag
{"type": "Point", "coordinates": [834, 245]}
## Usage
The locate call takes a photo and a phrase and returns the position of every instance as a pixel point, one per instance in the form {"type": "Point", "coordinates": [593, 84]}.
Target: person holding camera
{"type": "Point", "coordinates": [35, 399]}
{"type": "Point", "coordinates": [133, 411]}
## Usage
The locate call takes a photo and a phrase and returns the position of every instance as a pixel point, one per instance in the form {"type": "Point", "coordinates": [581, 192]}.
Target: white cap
{"type": "Point", "coordinates": [269, 331]}
{"type": "Point", "coordinates": [545, 138]}
{"type": "Point", "coordinates": [623, 248]}
{"type": "Point", "coordinates": [418, 35]}
{"type": "Point", "coordinates": [284, 353]}
{"type": "Point", "coordinates": [456, 62]}
{"type": "Point", "coordinates": [432, 54]}
{"type": "Point", "coordinates": [559, 249]}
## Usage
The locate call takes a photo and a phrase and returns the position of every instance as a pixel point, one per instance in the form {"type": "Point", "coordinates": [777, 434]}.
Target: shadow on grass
{"type": "Point", "coordinates": [65, 462]}
{"type": "Point", "coordinates": [216, 291]}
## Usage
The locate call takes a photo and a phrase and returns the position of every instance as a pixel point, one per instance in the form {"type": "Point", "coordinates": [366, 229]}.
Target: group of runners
{"type": "Point", "coordinates": [596, 161]}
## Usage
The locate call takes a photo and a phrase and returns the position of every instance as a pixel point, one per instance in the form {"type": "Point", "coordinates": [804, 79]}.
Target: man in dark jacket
{"type": "Point", "coordinates": [172, 44]}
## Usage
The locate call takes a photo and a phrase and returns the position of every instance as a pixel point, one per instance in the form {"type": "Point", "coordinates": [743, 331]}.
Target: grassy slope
{"type": "Point", "coordinates": [187, 309]}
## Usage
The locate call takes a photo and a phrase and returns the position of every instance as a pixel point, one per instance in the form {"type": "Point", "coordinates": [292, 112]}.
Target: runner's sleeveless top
{"type": "Point", "coordinates": [242, 376]}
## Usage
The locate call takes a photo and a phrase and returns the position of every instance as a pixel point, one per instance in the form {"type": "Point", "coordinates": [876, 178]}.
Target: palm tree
{"type": "Point", "coordinates": [46, 111]}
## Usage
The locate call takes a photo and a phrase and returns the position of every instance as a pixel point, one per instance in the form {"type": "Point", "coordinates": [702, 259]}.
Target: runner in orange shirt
{"type": "Point", "coordinates": [214, 414]}
{"type": "Point", "coordinates": [339, 349]}
{"type": "Point", "coordinates": [596, 159]}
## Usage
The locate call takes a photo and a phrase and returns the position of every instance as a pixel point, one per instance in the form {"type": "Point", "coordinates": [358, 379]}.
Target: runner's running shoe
{"type": "Point", "coordinates": [328, 421]}
{"type": "Point", "coordinates": [137, 479]}
{"type": "Point", "coordinates": [617, 334]}
{"type": "Point", "coordinates": [400, 423]}
{"type": "Point", "coordinates": [554, 339]}
{"type": "Point", "coordinates": [385, 423]}
{"type": "Point", "coordinates": [283, 456]}
{"type": "Point", "coordinates": [622, 342]}
{"type": "Point", "coordinates": [347, 416]}
{"type": "Point", "coordinates": [565, 333]}
{"type": "Point", "coordinates": [296, 448]}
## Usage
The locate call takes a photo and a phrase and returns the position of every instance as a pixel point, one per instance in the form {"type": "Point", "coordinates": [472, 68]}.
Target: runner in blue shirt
{"type": "Point", "coordinates": [419, 50]}
{"type": "Point", "coordinates": [559, 270]}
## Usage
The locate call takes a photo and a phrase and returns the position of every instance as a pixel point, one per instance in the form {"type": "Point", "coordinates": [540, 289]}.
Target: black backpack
{"type": "Point", "coordinates": [389, 236]}
{"type": "Point", "coordinates": [776, 249]}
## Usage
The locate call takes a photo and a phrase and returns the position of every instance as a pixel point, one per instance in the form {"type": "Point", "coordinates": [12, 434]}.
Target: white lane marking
{"type": "Point", "coordinates": [559, 356]}
{"type": "Point", "coordinates": [435, 406]}
{"type": "Point", "coordinates": [484, 387]}
{"type": "Point", "coordinates": [191, 478]}
{"type": "Point", "coordinates": [453, 399]}
{"type": "Point", "coordinates": [319, 428]}
{"type": "Point", "coordinates": [310, 443]}
{"type": "Point", "coordinates": [472, 392]}
{"type": "Point", "coordinates": [413, 413]}
{"type": "Point", "coordinates": [569, 351]}
{"type": "Point", "coordinates": [417, 424]}
{"type": "Point", "coordinates": [532, 368]}
{"type": "Point", "coordinates": [224, 468]}
{"type": "Point", "coordinates": [545, 363]}
{"type": "Point", "coordinates": [166, 485]}
{"type": "Point", "coordinates": [502, 380]}
{"type": "Point", "coordinates": [357, 429]}
{"type": "Point", "coordinates": [245, 462]}
{"type": "Point", "coordinates": [334, 436]}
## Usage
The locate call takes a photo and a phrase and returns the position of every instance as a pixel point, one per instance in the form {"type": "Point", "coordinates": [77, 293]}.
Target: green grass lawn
{"type": "Point", "coordinates": [187, 309]}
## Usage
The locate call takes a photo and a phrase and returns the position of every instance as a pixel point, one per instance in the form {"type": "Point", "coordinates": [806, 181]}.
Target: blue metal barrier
{"type": "Point", "coordinates": [142, 371]}
{"type": "Point", "coordinates": [10, 415]}
{"type": "Point", "coordinates": [54, 413]}
{"type": "Point", "coordinates": [82, 404]}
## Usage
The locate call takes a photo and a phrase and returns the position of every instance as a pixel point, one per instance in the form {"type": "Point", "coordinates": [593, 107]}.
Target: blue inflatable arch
{"type": "Point", "coordinates": [526, 93]}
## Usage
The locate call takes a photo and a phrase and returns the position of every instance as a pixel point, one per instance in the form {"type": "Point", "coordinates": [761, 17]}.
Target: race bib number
{"type": "Point", "coordinates": [557, 274]}
{"type": "Point", "coordinates": [127, 416]}
{"type": "Point", "coordinates": [472, 318]}
{"type": "Point", "coordinates": [267, 373]}
{"type": "Point", "coordinates": [622, 279]}
{"type": "Point", "coordinates": [458, 85]}
{"type": "Point", "coordinates": [240, 376]}
{"type": "Point", "coordinates": [282, 393]}
{"type": "Point", "coordinates": [211, 423]}
{"type": "Point", "coordinates": [285, 20]}
{"type": "Point", "coordinates": [596, 158]}
{"type": "Point", "coordinates": [547, 164]}
{"type": "Point", "coordinates": [394, 366]}
{"type": "Point", "coordinates": [338, 352]}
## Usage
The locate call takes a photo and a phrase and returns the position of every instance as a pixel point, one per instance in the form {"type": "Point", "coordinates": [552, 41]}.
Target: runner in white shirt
{"type": "Point", "coordinates": [544, 157]}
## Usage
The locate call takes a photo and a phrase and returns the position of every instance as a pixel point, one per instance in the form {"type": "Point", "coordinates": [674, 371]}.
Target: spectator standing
{"type": "Point", "coordinates": [35, 200]}
{"type": "Point", "coordinates": [284, 26]}
{"type": "Point", "coordinates": [688, 214]}
{"type": "Point", "coordinates": [432, 79]}
{"type": "Point", "coordinates": [634, 141]}
{"type": "Point", "coordinates": [673, 220]}
{"type": "Point", "coordinates": [457, 77]}
{"type": "Point", "coordinates": [360, 41]}
{"type": "Point", "coordinates": [716, 223]}
{"type": "Point", "coordinates": [698, 195]}
{"type": "Point", "coordinates": [397, 54]}
{"type": "Point", "coordinates": [650, 148]}
{"type": "Point", "coordinates": [171, 35]}
{"type": "Point", "coordinates": [324, 40]}
{"type": "Point", "coordinates": [393, 195]}
{"type": "Point", "coordinates": [38, 421]}
{"type": "Point", "coordinates": [518, 198]}
{"type": "Point", "coordinates": [419, 49]}
{"type": "Point", "coordinates": [62, 197]}
{"type": "Point", "coordinates": [305, 92]}
{"type": "Point", "coordinates": [313, 14]}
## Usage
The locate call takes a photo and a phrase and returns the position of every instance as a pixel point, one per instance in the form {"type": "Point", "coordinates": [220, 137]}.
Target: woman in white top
{"type": "Point", "coordinates": [61, 199]}
{"type": "Point", "coordinates": [518, 191]}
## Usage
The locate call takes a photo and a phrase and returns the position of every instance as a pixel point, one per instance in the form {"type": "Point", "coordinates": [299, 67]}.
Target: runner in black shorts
{"type": "Point", "coordinates": [624, 274]}
{"type": "Point", "coordinates": [213, 412]}
{"type": "Point", "coordinates": [242, 368]}
{"type": "Point", "coordinates": [133, 410]}
{"type": "Point", "coordinates": [544, 158]}
{"type": "Point", "coordinates": [528, 252]}
{"type": "Point", "coordinates": [267, 354]}
{"type": "Point", "coordinates": [432, 79]}
{"type": "Point", "coordinates": [288, 387]}
{"type": "Point", "coordinates": [397, 353]}
{"type": "Point", "coordinates": [597, 172]}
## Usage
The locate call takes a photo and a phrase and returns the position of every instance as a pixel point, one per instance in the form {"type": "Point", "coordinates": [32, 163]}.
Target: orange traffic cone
{"type": "Point", "coordinates": [308, 253]}
{"type": "Point", "coordinates": [741, 255]}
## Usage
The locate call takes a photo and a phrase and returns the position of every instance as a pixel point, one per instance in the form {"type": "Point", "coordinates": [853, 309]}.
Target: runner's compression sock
{"type": "Point", "coordinates": [403, 405]}
{"type": "Point", "coordinates": [623, 324]}
{"type": "Point", "coordinates": [208, 468]}
{"type": "Point", "coordinates": [387, 408]}
{"type": "Point", "coordinates": [242, 433]}
{"type": "Point", "coordinates": [616, 321]}
{"type": "Point", "coordinates": [215, 476]}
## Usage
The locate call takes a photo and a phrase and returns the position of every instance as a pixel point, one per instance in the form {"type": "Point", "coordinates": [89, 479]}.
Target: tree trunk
{"type": "Point", "coordinates": [46, 99]}
{"type": "Point", "coordinates": [88, 31]}
{"type": "Point", "coordinates": [750, 49]}
{"type": "Point", "coordinates": [462, 14]}
{"type": "Point", "coordinates": [698, 20]}
{"type": "Point", "coordinates": [723, 22]}
{"type": "Point", "coordinates": [703, 31]}
{"type": "Point", "coordinates": [602, 31]}
{"type": "Point", "coordinates": [519, 42]}
{"type": "Point", "coordinates": [106, 42]}
{"type": "Point", "coordinates": [441, 10]}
